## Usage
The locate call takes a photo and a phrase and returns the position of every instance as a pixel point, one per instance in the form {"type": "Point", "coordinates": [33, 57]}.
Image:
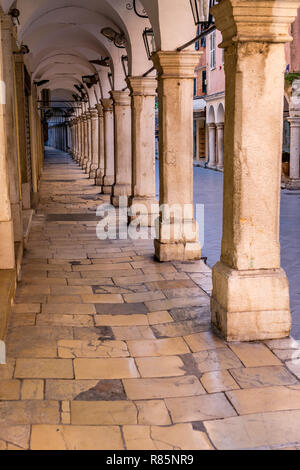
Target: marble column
{"type": "Point", "coordinates": [212, 145]}
{"type": "Point", "coordinates": [109, 158]}
{"type": "Point", "coordinates": [220, 140]}
{"type": "Point", "coordinates": [294, 147]}
{"type": "Point", "coordinates": [95, 142]}
{"type": "Point", "coordinates": [123, 155]}
{"type": "Point", "coordinates": [101, 162]}
{"type": "Point", "coordinates": [7, 38]}
{"type": "Point", "coordinates": [143, 92]}
{"type": "Point", "coordinates": [178, 231]}
{"type": "Point", "coordinates": [250, 299]}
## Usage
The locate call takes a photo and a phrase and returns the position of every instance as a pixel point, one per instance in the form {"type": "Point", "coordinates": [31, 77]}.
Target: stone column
{"type": "Point", "coordinates": [123, 165]}
{"type": "Point", "coordinates": [212, 145]}
{"type": "Point", "coordinates": [220, 140]}
{"type": "Point", "coordinates": [95, 142]}
{"type": "Point", "coordinates": [88, 163]}
{"type": "Point", "coordinates": [294, 147]}
{"type": "Point", "coordinates": [250, 299]}
{"type": "Point", "coordinates": [143, 92]}
{"type": "Point", "coordinates": [78, 156]}
{"type": "Point", "coordinates": [85, 142]}
{"type": "Point", "coordinates": [178, 231]}
{"type": "Point", "coordinates": [101, 162]}
{"type": "Point", "coordinates": [10, 121]}
{"type": "Point", "coordinates": [109, 160]}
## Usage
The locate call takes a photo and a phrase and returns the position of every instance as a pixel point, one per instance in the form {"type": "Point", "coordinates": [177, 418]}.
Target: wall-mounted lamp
{"type": "Point", "coordinates": [124, 60]}
{"type": "Point", "coordinates": [118, 39]}
{"type": "Point", "coordinates": [24, 49]}
{"type": "Point", "coordinates": [14, 13]}
{"type": "Point", "coordinates": [90, 80]}
{"type": "Point", "coordinates": [149, 41]}
{"type": "Point", "coordinates": [201, 12]}
{"type": "Point", "coordinates": [110, 79]}
{"type": "Point", "coordinates": [41, 82]}
{"type": "Point", "coordinates": [104, 61]}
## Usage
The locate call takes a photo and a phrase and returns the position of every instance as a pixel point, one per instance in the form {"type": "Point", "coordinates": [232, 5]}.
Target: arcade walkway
{"type": "Point", "coordinates": [108, 349]}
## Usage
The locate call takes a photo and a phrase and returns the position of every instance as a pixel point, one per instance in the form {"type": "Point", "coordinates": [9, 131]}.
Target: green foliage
{"type": "Point", "coordinates": [291, 76]}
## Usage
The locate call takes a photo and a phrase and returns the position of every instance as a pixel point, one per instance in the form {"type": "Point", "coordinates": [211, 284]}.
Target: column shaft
{"type": "Point", "coordinates": [143, 92]}
{"type": "Point", "coordinates": [178, 231]}
{"type": "Point", "coordinates": [109, 160]}
{"type": "Point", "coordinates": [122, 123]}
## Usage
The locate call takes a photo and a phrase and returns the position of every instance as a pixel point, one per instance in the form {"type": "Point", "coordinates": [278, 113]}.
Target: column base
{"type": "Point", "coordinates": [99, 177]}
{"type": "Point", "coordinates": [146, 210]}
{"type": "Point", "coordinates": [293, 183]}
{"type": "Point", "coordinates": [16, 213]}
{"type": "Point", "coordinates": [120, 190]}
{"type": "Point", "coordinates": [180, 251]}
{"type": "Point", "coordinates": [250, 305]}
{"type": "Point", "coordinates": [93, 171]}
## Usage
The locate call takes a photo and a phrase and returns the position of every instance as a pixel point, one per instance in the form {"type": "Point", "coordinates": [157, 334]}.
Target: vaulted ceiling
{"type": "Point", "coordinates": [65, 35]}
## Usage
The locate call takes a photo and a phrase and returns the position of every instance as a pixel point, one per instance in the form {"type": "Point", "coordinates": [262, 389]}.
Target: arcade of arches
{"type": "Point", "coordinates": [102, 333]}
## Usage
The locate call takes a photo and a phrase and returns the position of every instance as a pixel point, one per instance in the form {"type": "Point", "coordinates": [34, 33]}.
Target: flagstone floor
{"type": "Point", "coordinates": [109, 349]}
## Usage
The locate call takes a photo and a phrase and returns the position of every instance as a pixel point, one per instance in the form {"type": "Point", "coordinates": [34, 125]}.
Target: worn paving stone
{"type": "Point", "coordinates": [168, 366]}
{"type": "Point", "coordinates": [255, 431]}
{"type": "Point", "coordinates": [100, 333]}
{"type": "Point", "coordinates": [69, 309]}
{"type": "Point", "coordinates": [219, 381]}
{"type": "Point", "coordinates": [33, 390]}
{"type": "Point", "coordinates": [255, 355]}
{"type": "Point", "coordinates": [133, 333]}
{"type": "Point", "coordinates": [120, 368]}
{"type": "Point", "coordinates": [259, 400]}
{"type": "Point", "coordinates": [147, 389]}
{"type": "Point", "coordinates": [76, 438]}
{"type": "Point", "coordinates": [70, 349]}
{"type": "Point", "coordinates": [153, 412]}
{"type": "Point", "coordinates": [253, 377]}
{"type": "Point", "coordinates": [158, 347]}
{"type": "Point", "coordinates": [183, 328]}
{"type": "Point", "coordinates": [201, 408]}
{"type": "Point", "coordinates": [123, 309]}
{"type": "Point", "coordinates": [14, 413]}
{"type": "Point", "coordinates": [177, 437]}
{"type": "Point", "coordinates": [9, 390]}
{"type": "Point", "coordinates": [16, 435]}
{"type": "Point", "coordinates": [190, 313]}
{"type": "Point", "coordinates": [103, 413]}
{"type": "Point", "coordinates": [208, 361]}
{"type": "Point", "coordinates": [121, 320]}
{"type": "Point", "coordinates": [44, 369]}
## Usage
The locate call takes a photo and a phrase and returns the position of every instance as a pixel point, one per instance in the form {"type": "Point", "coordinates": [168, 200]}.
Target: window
{"type": "Point", "coordinates": [204, 84]}
{"type": "Point", "coordinates": [195, 86]}
{"type": "Point", "coordinates": [213, 50]}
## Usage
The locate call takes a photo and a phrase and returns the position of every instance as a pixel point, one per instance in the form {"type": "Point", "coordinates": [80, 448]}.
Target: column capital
{"type": "Point", "coordinates": [211, 125]}
{"type": "Point", "coordinates": [219, 125]}
{"type": "Point", "coordinates": [121, 98]}
{"type": "Point", "coordinates": [176, 64]}
{"type": "Point", "coordinates": [99, 108]}
{"type": "Point", "coordinates": [142, 86]}
{"type": "Point", "coordinates": [93, 113]}
{"type": "Point", "coordinates": [255, 20]}
{"type": "Point", "coordinates": [294, 121]}
{"type": "Point", "coordinates": [107, 104]}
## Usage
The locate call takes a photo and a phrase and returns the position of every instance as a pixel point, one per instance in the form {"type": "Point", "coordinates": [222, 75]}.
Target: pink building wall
{"type": "Point", "coordinates": [215, 77]}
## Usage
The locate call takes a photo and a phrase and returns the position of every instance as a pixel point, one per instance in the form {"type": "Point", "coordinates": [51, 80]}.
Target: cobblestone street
{"type": "Point", "coordinates": [109, 349]}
